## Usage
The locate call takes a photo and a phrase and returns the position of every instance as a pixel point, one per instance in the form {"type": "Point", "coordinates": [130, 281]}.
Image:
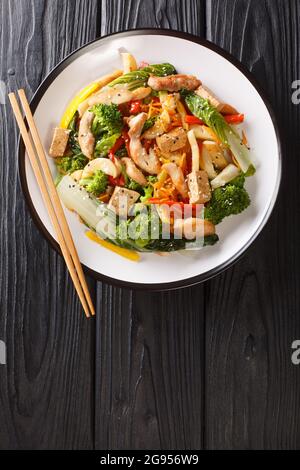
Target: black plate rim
{"type": "Point", "coordinates": [188, 282]}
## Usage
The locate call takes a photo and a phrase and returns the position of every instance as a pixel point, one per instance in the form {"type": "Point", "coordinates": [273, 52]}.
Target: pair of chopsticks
{"type": "Point", "coordinates": [51, 199]}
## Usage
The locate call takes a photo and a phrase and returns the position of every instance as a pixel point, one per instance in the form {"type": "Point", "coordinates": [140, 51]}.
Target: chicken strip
{"type": "Point", "coordinates": [86, 138]}
{"type": "Point", "coordinates": [177, 178]}
{"type": "Point", "coordinates": [192, 228]}
{"type": "Point", "coordinates": [174, 82]}
{"type": "Point", "coordinates": [148, 162]}
{"type": "Point", "coordinates": [117, 95]}
{"type": "Point", "coordinates": [133, 171]}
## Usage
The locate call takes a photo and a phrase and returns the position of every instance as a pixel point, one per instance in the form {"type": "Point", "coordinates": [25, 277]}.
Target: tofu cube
{"type": "Point", "coordinates": [122, 199]}
{"type": "Point", "coordinates": [173, 140]}
{"type": "Point", "coordinates": [59, 142]}
{"type": "Point", "coordinates": [216, 154]}
{"type": "Point", "coordinates": [199, 187]}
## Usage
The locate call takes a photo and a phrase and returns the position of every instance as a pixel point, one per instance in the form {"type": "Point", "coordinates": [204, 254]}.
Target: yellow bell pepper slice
{"type": "Point", "coordinates": [75, 102]}
{"type": "Point", "coordinates": [128, 254]}
{"type": "Point", "coordinates": [129, 62]}
{"type": "Point", "coordinates": [84, 94]}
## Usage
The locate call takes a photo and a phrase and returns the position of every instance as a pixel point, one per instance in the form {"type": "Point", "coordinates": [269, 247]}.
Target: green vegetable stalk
{"type": "Point", "coordinates": [202, 109]}
{"type": "Point", "coordinates": [136, 233]}
{"type": "Point", "coordinates": [139, 78]}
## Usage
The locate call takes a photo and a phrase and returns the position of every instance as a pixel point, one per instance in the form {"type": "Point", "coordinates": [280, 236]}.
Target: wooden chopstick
{"type": "Point", "coordinates": [54, 196]}
{"type": "Point", "coordinates": [52, 201]}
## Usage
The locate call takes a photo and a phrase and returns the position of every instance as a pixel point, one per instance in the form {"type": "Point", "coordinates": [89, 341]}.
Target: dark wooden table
{"type": "Point", "coordinates": [203, 367]}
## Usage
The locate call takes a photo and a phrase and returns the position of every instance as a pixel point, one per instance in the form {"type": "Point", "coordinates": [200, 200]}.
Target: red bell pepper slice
{"type": "Point", "coordinates": [189, 119]}
{"type": "Point", "coordinates": [147, 143]}
{"type": "Point", "coordinates": [135, 107]}
{"type": "Point", "coordinates": [143, 64]}
{"type": "Point", "coordinates": [126, 140]}
{"type": "Point", "coordinates": [234, 118]}
{"type": "Point", "coordinates": [118, 144]}
{"type": "Point", "coordinates": [120, 181]}
{"type": "Point", "coordinates": [155, 99]}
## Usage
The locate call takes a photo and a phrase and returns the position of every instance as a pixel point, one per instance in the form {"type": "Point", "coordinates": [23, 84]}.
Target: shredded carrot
{"type": "Point", "coordinates": [164, 160]}
{"type": "Point", "coordinates": [157, 200]}
{"type": "Point", "coordinates": [166, 191]}
{"type": "Point", "coordinates": [182, 162]}
{"type": "Point", "coordinates": [153, 112]}
{"type": "Point", "coordinates": [235, 160]}
{"type": "Point", "coordinates": [244, 138]}
{"type": "Point", "coordinates": [104, 197]}
{"type": "Point", "coordinates": [182, 112]}
{"type": "Point", "coordinates": [149, 111]}
{"type": "Point", "coordinates": [163, 175]}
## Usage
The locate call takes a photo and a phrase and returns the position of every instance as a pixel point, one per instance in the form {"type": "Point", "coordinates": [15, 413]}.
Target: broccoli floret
{"type": "Point", "coordinates": [107, 126]}
{"type": "Point", "coordinates": [108, 119]}
{"type": "Point", "coordinates": [152, 179]}
{"type": "Point", "coordinates": [210, 240]}
{"type": "Point", "coordinates": [71, 163]}
{"type": "Point", "coordinates": [122, 152]}
{"type": "Point", "coordinates": [228, 200]}
{"type": "Point", "coordinates": [95, 184]}
{"type": "Point", "coordinates": [251, 171]}
{"type": "Point", "coordinates": [148, 192]}
{"type": "Point", "coordinates": [104, 145]}
{"type": "Point", "coordinates": [149, 123]}
{"type": "Point", "coordinates": [239, 181]}
{"type": "Point", "coordinates": [131, 184]}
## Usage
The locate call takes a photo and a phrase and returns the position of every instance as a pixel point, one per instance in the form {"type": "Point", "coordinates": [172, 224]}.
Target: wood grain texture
{"type": "Point", "coordinates": [252, 388]}
{"type": "Point", "coordinates": [207, 366]}
{"type": "Point", "coordinates": [149, 346]}
{"type": "Point", "coordinates": [149, 356]}
{"type": "Point", "coordinates": [182, 15]}
{"type": "Point", "coordinates": [46, 389]}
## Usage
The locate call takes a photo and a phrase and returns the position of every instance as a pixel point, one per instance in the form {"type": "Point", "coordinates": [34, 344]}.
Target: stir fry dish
{"type": "Point", "coordinates": [146, 147]}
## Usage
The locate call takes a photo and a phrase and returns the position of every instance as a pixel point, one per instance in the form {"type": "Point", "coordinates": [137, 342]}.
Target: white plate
{"type": "Point", "coordinates": [227, 78]}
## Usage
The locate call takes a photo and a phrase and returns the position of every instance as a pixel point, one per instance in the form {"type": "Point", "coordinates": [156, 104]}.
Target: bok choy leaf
{"type": "Point", "coordinates": [202, 109]}
{"type": "Point", "coordinates": [139, 78]}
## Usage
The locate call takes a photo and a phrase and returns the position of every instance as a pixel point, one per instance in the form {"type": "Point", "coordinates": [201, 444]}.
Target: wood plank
{"type": "Point", "coordinates": [149, 346]}
{"type": "Point", "coordinates": [46, 389]}
{"type": "Point", "coordinates": [252, 388]}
